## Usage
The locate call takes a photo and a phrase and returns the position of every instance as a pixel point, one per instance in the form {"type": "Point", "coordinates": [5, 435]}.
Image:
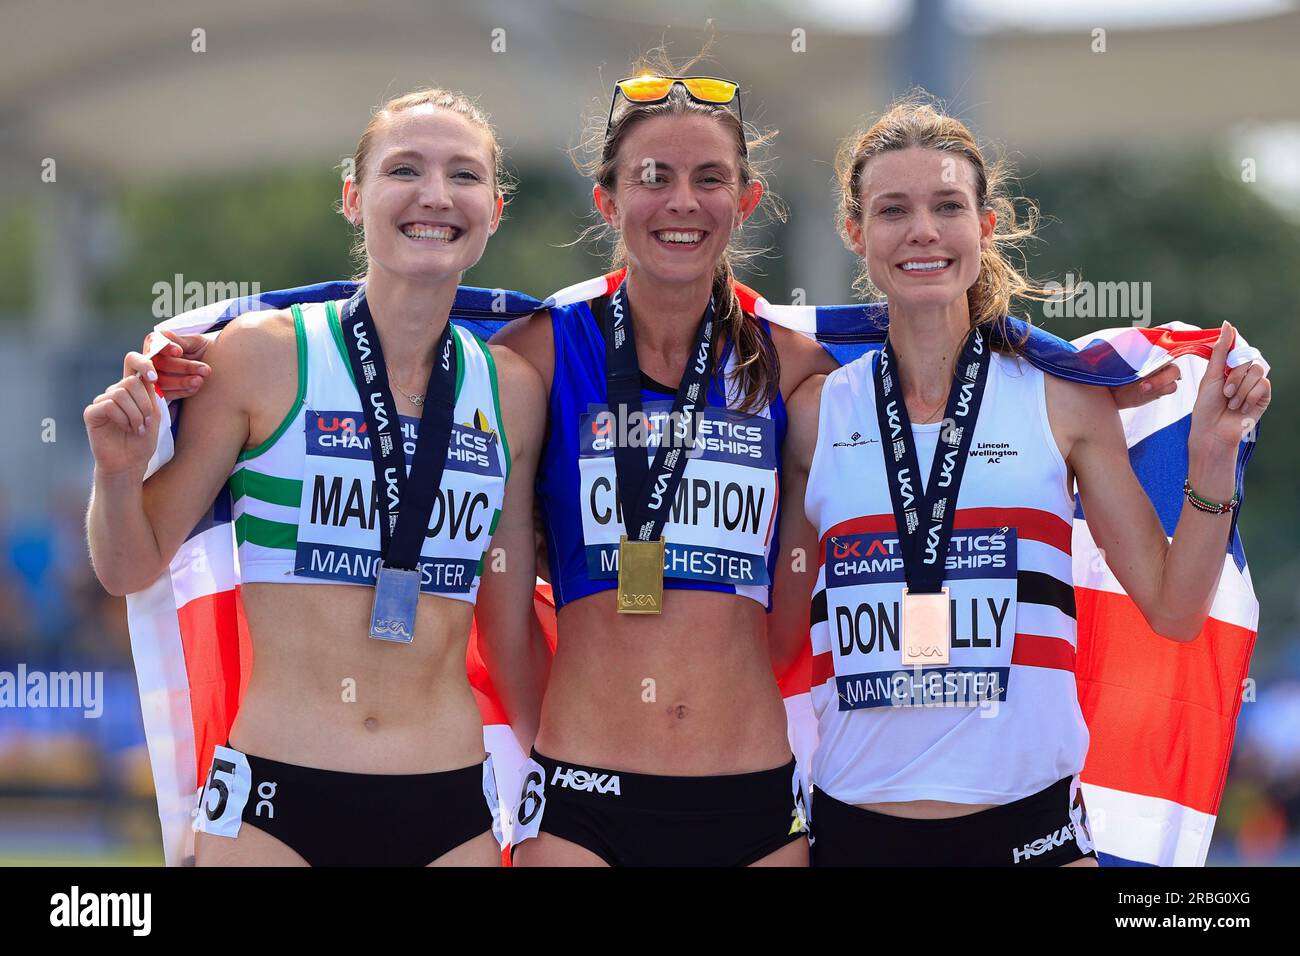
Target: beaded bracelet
{"type": "Point", "coordinates": [1209, 507]}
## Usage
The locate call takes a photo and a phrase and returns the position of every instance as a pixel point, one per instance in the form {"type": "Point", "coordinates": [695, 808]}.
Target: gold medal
{"type": "Point", "coordinates": [640, 576]}
{"type": "Point", "coordinates": [926, 626]}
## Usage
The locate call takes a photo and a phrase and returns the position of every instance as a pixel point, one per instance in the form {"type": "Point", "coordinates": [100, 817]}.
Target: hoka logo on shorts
{"type": "Point", "coordinates": [1043, 844]}
{"type": "Point", "coordinates": [586, 781]}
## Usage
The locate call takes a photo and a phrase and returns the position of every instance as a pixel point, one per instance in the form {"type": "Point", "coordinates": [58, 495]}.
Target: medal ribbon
{"type": "Point", "coordinates": [646, 495]}
{"type": "Point", "coordinates": [405, 505]}
{"type": "Point", "coordinates": [925, 517]}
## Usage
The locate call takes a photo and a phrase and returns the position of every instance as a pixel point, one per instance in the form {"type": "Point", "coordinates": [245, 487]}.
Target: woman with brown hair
{"type": "Point", "coordinates": [942, 606]}
{"type": "Point", "coordinates": [663, 733]}
{"type": "Point", "coordinates": [351, 568]}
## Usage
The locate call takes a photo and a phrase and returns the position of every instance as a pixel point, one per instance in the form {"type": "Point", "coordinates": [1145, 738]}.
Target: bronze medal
{"type": "Point", "coordinates": [926, 627]}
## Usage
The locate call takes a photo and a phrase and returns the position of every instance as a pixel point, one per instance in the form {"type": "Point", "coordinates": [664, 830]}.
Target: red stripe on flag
{"type": "Point", "coordinates": [1031, 524]}
{"type": "Point", "coordinates": [1162, 714]}
{"type": "Point", "coordinates": [746, 296]}
{"type": "Point", "coordinates": [1184, 342]}
{"type": "Point", "coordinates": [215, 641]}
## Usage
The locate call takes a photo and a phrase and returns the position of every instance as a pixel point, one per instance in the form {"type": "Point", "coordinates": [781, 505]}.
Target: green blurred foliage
{"type": "Point", "coordinates": [1212, 249]}
{"type": "Point", "coordinates": [17, 249]}
{"type": "Point", "coordinates": [277, 228]}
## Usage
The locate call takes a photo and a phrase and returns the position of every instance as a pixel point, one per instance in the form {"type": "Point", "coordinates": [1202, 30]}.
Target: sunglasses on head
{"type": "Point", "coordinates": [651, 88]}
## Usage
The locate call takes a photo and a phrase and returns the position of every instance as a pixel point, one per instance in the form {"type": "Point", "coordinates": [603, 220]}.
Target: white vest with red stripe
{"type": "Point", "coordinates": [1001, 721]}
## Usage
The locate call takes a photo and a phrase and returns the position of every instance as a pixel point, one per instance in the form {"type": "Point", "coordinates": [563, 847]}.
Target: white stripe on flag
{"type": "Point", "coordinates": [1144, 421]}
{"type": "Point", "coordinates": [205, 564]}
{"type": "Point", "coordinates": [168, 716]}
{"type": "Point", "coordinates": [1145, 829]}
{"type": "Point", "coordinates": [796, 318]}
{"type": "Point", "coordinates": [1234, 601]}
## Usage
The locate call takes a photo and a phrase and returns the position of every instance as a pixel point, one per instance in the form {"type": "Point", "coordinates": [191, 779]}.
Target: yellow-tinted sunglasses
{"type": "Point", "coordinates": [651, 88]}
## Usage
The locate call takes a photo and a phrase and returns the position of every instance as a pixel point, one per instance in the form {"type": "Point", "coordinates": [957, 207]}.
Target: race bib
{"type": "Point", "coordinates": [225, 792]}
{"type": "Point", "coordinates": [864, 584]}
{"type": "Point", "coordinates": [723, 514]}
{"type": "Point", "coordinates": [338, 535]}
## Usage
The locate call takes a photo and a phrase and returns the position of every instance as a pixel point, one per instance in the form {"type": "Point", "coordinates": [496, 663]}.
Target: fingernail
{"type": "Point", "coordinates": [1146, 386]}
{"type": "Point", "coordinates": [148, 421]}
{"type": "Point", "coordinates": [139, 429]}
{"type": "Point", "coordinates": [151, 375]}
{"type": "Point", "coordinates": [1228, 390]}
{"type": "Point", "coordinates": [196, 381]}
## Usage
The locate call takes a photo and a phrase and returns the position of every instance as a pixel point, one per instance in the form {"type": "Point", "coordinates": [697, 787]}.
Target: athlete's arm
{"type": "Point", "coordinates": [801, 358]}
{"type": "Point", "coordinates": [532, 340]}
{"type": "Point", "coordinates": [513, 648]}
{"type": "Point", "coordinates": [796, 565]}
{"type": "Point", "coordinates": [135, 526]}
{"type": "Point", "coordinates": [1172, 583]}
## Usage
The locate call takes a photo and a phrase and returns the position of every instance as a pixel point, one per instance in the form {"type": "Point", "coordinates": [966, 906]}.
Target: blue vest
{"type": "Point", "coordinates": [721, 535]}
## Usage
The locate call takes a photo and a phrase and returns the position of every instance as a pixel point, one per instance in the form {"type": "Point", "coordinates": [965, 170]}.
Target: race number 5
{"type": "Point", "coordinates": [218, 787]}
{"type": "Point", "coordinates": [222, 799]}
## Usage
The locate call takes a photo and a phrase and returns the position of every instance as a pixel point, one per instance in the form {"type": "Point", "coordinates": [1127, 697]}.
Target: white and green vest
{"type": "Point", "coordinates": [304, 502]}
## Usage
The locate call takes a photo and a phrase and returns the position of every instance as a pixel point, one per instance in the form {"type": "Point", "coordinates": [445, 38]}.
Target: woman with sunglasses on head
{"type": "Point", "coordinates": [663, 733]}
{"type": "Point", "coordinates": [935, 481]}
{"type": "Point", "coordinates": [340, 580]}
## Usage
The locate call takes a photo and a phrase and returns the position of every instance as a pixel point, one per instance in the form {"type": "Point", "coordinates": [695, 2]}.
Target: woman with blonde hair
{"type": "Point", "coordinates": [352, 567]}
{"type": "Point", "coordinates": [942, 606]}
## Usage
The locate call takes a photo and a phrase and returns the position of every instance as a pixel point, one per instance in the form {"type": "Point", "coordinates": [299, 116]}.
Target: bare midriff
{"type": "Point", "coordinates": [926, 809]}
{"type": "Point", "coordinates": [688, 692]}
{"type": "Point", "coordinates": [324, 694]}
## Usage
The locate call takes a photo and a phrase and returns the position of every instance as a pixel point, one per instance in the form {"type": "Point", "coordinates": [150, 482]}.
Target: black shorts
{"type": "Point", "coordinates": [637, 819]}
{"type": "Point", "coordinates": [1048, 828]}
{"type": "Point", "coordinates": [331, 818]}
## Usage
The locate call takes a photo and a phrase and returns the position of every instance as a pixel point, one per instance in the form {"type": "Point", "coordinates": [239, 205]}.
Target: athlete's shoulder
{"type": "Point", "coordinates": [523, 398]}
{"type": "Point", "coordinates": [530, 329]}
{"type": "Point", "coordinates": [800, 357]}
{"type": "Point", "coordinates": [1076, 411]}
{"type": "Point", "coordinates": [514, 373]}
{"type": "Point", "coordinates": [531, 339]}
{"type": "Point", "coordinates": [253, 343]}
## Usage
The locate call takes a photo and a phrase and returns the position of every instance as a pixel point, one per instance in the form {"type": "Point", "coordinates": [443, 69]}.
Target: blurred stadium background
{"type": "Point", "coordinates": [1165, 149]}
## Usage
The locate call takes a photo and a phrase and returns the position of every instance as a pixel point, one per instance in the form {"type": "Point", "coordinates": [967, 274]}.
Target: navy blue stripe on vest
{"type": "Point", "coordinates": [579, 381]}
